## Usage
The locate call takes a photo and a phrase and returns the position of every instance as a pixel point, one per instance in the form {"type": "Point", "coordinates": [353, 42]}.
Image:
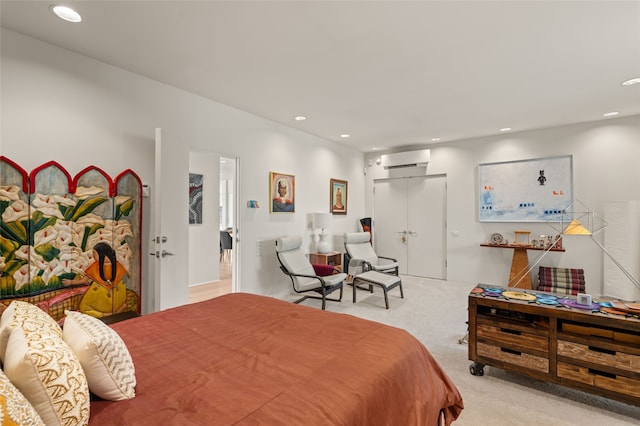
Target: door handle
{"type": "Point", "coordinates": [156, 254]}
{"type": "Point", "coordinates": [166, 253]}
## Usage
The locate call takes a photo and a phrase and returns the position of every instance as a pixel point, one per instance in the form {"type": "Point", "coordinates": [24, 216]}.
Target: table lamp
{"type": "Point", "coordinates": [322, 221]}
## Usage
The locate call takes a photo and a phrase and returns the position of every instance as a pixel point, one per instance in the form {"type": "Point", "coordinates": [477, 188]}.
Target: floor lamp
{"type": "Point", "coordinates": [582, 222]}
{"type": "Point", "coordinates": [573, 222]}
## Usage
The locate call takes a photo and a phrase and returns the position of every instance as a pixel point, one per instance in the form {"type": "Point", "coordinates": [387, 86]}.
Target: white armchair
{"type": "Point", "coordinates": [304, 278]}
{"type": "Point", "coordinates": [358, 247]}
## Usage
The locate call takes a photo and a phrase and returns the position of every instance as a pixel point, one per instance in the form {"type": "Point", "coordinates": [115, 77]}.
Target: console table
{"type": "Point", "coordinates": [520, 262]}
{"type": "Point", "coordinates": [588, 350]}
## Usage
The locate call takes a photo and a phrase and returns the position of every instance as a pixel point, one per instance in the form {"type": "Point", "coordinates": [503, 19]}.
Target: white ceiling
{"type": "Point", "coordinates": [389, 73]}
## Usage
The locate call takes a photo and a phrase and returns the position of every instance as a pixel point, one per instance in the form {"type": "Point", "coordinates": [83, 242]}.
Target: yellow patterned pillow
{"type": "Point", "coordinates": [15, 410]}
{"type": "Point", "coordinates": [27, 316]}
{"type": "Point", "coordinates": [104, 357]}
{"type": "Point", "coordinates": [47, 372]}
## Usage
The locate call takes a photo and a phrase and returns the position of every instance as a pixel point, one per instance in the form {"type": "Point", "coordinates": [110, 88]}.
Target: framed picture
{"type": "Point", "coordinates": [282, 192]}
{"type": "Point", "coordinates": [535, 190]}
{"type": "Point", "coordinates": [338, 198]}
{"type": "Point", "coordinates": [195, 198]}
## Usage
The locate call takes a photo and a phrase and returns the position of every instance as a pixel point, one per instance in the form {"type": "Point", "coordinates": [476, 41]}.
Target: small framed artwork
{"type": "Point", "coordinates": [282, 191]}
{"type": "Point", "coordinates": [195, 198]}
{"type": "Point", "coordinates": [338, 198]}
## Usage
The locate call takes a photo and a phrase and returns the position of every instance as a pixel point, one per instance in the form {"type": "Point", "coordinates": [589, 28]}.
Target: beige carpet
{"type": "Point", "coordinates": [436, 313]}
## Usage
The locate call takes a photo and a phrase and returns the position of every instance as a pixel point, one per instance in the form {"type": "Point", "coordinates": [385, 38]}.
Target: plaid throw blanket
{"type": "Point", "coordinates": [561, 280]}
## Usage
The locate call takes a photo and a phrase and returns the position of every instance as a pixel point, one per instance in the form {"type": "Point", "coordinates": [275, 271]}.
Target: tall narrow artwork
{"type": "Point", "coordinates": [536, 190]}
{"type": "Point", "coordinates": [338, 196]}
{"type": "Point", "coordinates": [70, 243]}
{"type": "Point", "coordinates": [195, 198]}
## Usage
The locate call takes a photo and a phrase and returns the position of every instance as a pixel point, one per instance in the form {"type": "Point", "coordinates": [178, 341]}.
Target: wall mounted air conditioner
{"type": "Point", "coordinates": [406, 159]}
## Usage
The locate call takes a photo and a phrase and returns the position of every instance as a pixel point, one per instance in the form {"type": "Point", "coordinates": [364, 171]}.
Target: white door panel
{"type": "Point", "coordinates": [171, 219]}
{"type": "Point", "coordinates": [390, 208]}
{"type": "Point", "coordinates": [410, 224]}
{"type": "Point", "coordinates": [425, 226]}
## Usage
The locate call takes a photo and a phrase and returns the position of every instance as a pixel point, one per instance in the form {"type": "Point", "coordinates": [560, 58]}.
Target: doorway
{"type": "Point", "coordinates": [410, 223]}
{"type": "Point", "coordinates": [213, 262]}
{"type": "Point", "coordinates": [227, 219]}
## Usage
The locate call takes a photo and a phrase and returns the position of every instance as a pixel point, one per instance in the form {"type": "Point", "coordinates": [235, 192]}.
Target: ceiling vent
{"type": "Point", "coordinates": [400, 160]}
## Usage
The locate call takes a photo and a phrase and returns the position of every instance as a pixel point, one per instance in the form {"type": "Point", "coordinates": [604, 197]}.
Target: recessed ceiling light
{"type": "Point", "coordinates": [631, 81]}
{"type": "Point", "coordinates": [299, 118]}
{"type": "Point", "coordinates": [435, 139]}
{"type": "Point", "coordinates": [375, 149]}
{"type": "Point", "coordinates": [66, 13]}
{"type": "Point", "coordinates": [505, 129]}
{"type": "Point", "coordinates": [611, 114]}
{"type": "Point", "coordinates": [345, 135]}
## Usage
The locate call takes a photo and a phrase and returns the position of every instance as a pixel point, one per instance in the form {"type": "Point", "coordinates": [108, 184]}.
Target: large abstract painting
{"type": "Point", "coordinates": [535, 190]}
{"type": "Point", "coordinates": [70, 243]}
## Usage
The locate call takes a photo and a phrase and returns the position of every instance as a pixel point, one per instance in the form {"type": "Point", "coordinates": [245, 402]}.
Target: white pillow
{"type": "Point", "coordinates": [47, 372]}
{"type": "Point", "coordinates": [27, 316]}
{"type": "Point", "coordinates": [104, 356]}
{"type": "Point", "coordinates": [14, 407]}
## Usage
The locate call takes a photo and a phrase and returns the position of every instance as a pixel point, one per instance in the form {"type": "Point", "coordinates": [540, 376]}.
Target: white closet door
{"type": "Point", "coordinates": [410, 224]}
{"type": "Point", "coordinates": [426, 226]}
{"type": "Point", "coordinates": [390, 220]}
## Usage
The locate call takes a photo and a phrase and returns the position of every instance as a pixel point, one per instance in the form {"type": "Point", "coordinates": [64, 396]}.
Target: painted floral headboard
{"type": "Point", "coordinates": [70, 243]}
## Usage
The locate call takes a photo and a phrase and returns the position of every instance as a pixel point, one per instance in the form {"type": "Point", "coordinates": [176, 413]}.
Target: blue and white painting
{"type": "Point", "coordinates": [536, 190]}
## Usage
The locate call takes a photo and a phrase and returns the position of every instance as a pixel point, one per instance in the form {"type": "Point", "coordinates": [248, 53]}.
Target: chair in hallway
{"type": "Point", "coordinates": [226, 245]}
{"type": "Point", "coordinates": [303, 276]}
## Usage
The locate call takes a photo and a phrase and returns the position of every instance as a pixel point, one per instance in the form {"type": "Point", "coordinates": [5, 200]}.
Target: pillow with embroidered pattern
{"type": "Point", "coordinates": [47, 372]}
{"type": "Point", "coordinates": [27, 316]}
{"type": "Point", "coordinates": [15, 409]}
{"type": "Point", "coordinates": [103, 354]}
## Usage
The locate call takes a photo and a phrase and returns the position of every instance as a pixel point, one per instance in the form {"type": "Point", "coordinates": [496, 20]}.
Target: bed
{"type": "Point", "coordinates": [244, 359]}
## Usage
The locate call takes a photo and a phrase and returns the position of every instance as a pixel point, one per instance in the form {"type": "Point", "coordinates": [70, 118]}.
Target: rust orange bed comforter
{"type": "Point", "coordinates": [244, 359]}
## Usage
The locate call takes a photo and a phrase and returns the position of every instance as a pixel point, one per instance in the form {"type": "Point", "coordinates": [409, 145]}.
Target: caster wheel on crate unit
{"type": "Point", "coordinates": [476, 369]}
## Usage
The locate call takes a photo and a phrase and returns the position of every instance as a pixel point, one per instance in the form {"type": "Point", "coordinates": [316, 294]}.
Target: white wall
{"type": "Point", "coordinates": [57, 105]}
{"type": "Point", "coordinates": [605, 167]}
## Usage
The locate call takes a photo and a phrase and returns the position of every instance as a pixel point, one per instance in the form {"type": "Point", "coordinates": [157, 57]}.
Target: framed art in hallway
{"type": "Point", "coordinates": [282, 190]}
{"type": "Point", "coordinates": [195, 198]}
{"type": "Point", "coordinates": [338, 198]}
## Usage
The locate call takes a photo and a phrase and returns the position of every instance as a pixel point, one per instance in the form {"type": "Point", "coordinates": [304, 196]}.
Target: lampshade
{"type": "Point", "coordinates": [321, 220]}
{"type": "Point", "coordinates": [576, 228]}
{"type": "Point", "coordinates": [580, 220]}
